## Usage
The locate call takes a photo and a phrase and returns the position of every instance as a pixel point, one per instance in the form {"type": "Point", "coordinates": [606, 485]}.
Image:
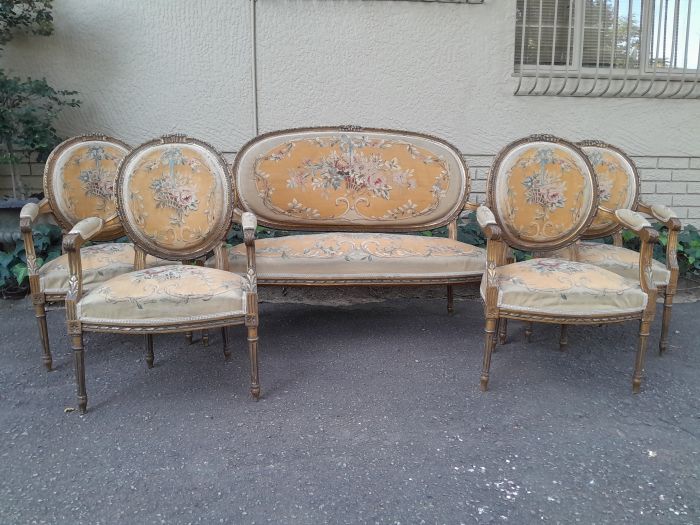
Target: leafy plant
{"type": "Point", "coordinates": [13, 264]}
{"type": "Point", "coordinates": [28, 107]}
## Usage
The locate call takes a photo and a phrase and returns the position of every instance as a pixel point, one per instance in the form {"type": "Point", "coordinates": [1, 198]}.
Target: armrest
{"type": "Point", "coordinates": [632, 220]}
{"type": "Point", "coordinates": [487, 222]}
{"type": "Point", "coordinates": [250, 224]}
{"type": "Point", "coordinates": [27, 216]}
{"type": "Point", "coordinates": [72, 241]}
{"type": "Point", "coordinates": [669, 218]}
{"type": "Point", "coordinates": [661, 213]}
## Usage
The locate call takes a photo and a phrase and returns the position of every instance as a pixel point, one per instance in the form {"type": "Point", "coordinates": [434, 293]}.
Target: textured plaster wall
{"type": "Point", "coordinates": [149, 67]}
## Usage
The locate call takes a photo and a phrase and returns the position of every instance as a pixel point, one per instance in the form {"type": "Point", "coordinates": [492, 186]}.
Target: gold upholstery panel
{"type": "Point", "coordinates": [619, 260]}
{"type": "Point", "coordinates": [343, 180]}
{"type": "Point", "coordinates": [175, 198]}
{"type": "Point", "coordinates": [617, 186]}
{"type": "Point", "coordinates": [361, 256]}
{"type": "Point", "coordinates": [542, 194]}
{"type": "Point", "coordinates": [165, 294]}
{"type": "Point", "coordinates": [80, 179]}
{"type": "Point", "coordinates": [100, 262]}
{"type": "Point", "coordinates": [558, 287]}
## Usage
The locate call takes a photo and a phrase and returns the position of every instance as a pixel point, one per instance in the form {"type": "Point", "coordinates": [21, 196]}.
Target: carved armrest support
{"type": "Point", "coordinates": [27, 216]}
{"type": "Point", "coordinates": [668, 218]}
{"type": "Point", "coordinates": [249, 224]}
{"type": "Point", "coordinates": [72, 241]}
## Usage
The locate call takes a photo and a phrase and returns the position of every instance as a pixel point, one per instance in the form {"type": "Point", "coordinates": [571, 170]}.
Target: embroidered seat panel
{"type": "Point", "coordinates": [542, 193]}
{"type": "Point", "coordinates": [558, 287]}
{"type": "Point", "coordinates": [361, 256]}
{"type": "Point", "coordinates": [100, 262]}
{"type": "Point", "coordinates": [617, 259]}
{"type": "Point", "coordinates": [326, 178]}
{"type": "Point", "coordinates": [165, 294]}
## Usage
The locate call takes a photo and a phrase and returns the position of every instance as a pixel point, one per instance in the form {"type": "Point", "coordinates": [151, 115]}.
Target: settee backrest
{"type": "Point", "coordinates": [345, 179]}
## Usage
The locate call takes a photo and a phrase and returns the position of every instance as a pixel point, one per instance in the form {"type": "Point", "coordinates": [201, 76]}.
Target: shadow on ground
{"type": "Point", "coordinates": [370, 413]}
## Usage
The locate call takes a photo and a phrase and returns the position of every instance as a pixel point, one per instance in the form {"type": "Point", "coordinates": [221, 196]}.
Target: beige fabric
{"type": "Point", "coordinates": [88, 228]}
{"type": "Point", "coordinates": [543, 193]}
{"type": "Point", "coordinates": [248, 221]}
{"type": "Point", "coordinates": [552, 286]}
{"type": "Point", "coordinates": [663, 213]}
{"type": "Point", "coordinates": [616, 259]}
{"type": "Point", "coordinates": [100, 263]}
{"type": "Point", "coordinates": [361, 256]}
{"type": "Point", "coordinates": [632, 220]}
{"type": "Point", "coordinates": [344, 179]}
{"type": "Point", "coordinates": [166, 294]}
{"type": "Point", "coordinates": [484, 216]}
{"type": "Point", "coordinates": [29, 211]}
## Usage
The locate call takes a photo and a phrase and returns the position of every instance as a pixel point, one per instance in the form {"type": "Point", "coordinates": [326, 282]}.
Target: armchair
{"type": "Point", "coordinates": [175, 201]}
{"type": "Point", "coordinates": [542, 195]}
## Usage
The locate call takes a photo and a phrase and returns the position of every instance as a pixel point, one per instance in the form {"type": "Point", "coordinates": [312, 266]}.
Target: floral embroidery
{"type": "Point", "coordinates": [555, 265]}
{"type": "Point", "coordinates": [544, 188]}
{"type": "Point", "coordinates": [352, 174]}
{"type": "Point", "coordinates": [97, 181]}
{"type": "Point", "coordinates": [175, 190]}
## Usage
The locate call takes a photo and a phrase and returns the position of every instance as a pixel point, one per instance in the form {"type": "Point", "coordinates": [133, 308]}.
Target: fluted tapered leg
{"type": "Point", "coordinates": [149, 350]}
{"type": "Point", "coordinates": [450, 298]}
{"type": "Point", "coordinates": [205, 337]}
{"type": "Point", "coordinates": [528, 331]}
{"type": "Point", "coordinates": [224, 338]}
{"type": "Point", "coordinates": [188, 336]}
{"type": "Point", "coordinates": [253, 354]}
{"type": "Point", "coordinates": [665, 322]}
{"type": "Point", "coordinates": [641, 351]}
{"type": "Point", "coordinates": [564, 337]}
{"type": "Point", "coordinates": [40, 314]}
{"type": "Point", "coordinates": [79, 361]}
{"type": "Point", "coordinates": [502, 331]}
{"type": "Point", "coordinates": [489, 344]}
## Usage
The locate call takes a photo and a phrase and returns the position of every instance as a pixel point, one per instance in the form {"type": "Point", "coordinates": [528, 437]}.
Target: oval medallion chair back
{"type": "Point", "coordinates": [175, 200]}
{"type": "Point", "coordinates": [79, 181]}
{"type": "Point", "coordinates": [542, 196]}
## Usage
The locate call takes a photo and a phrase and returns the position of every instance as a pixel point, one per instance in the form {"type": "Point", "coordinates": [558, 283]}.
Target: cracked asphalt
{"type": "Point", "coordinates": [371, 413]}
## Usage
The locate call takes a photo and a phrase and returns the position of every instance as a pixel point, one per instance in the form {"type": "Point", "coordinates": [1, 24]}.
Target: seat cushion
{"type": "Point", "coordinates": [619, 260]}
{"type": "Point", "coordinates": [553, 286]}
{"type": "Point", "coordinates": [100, 263]}
{"type": "Point", "coordinates": [165, 294]}
{"type": "Point", "coordinates": [360, 256]}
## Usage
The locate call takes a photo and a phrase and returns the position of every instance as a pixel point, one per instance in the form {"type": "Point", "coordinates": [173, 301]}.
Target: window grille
{"type": "Point", "coordinates": [608, 48]}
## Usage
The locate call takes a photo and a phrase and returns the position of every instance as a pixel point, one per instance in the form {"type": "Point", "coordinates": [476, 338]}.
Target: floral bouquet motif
{"type": "Point", "coordinates": [545, 189]}
{"type": "Point", "coordinates": [174, 190]}
{"type": "Point", "coordinates": [98, 182]}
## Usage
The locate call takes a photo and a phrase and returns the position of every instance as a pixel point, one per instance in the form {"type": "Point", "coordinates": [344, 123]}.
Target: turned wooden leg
{"type": "Point", "coordinates": [665, 322]}
{"type": "Point", "coordinates": [224, 337]}
{"type": "Point", "coordinates": [502, 331]}
{"type": "Point", "coordinates": [450, 298]}
{"type": "Point", "coordinates": [188, 336]}
{"type": "Point", "coordinates": [40, 314]}
{"type": "Point", "coordinates": [149, 350]}
{"type": "Point", "coordinates": [489, 344]}
{"type": "Point", "coordinates": [528, 331]}
{"type": "Point", "coordinates": [205, 337]}
{"type": "Point", "coordinates": [253, 354]}
{"type": "Point", "coordinates": [639, 361]}
{"type": "Point", "coordinates": [79, 360]}
{"type": "Point", "coordinates": [564, 337]}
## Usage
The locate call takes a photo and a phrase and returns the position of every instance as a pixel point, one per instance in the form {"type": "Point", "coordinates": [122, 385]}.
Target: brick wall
{"type": "Point", "coordinates": [673, 181]}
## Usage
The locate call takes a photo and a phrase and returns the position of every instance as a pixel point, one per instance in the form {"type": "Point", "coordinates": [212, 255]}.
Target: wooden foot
{"type": "Point", "coordinates": [253, 355]}
{"type": "Point", "coordinates": [188, 336]}
{"type": "Point", "coordinates": [205, 337]}
{"type": "Point", "coordinates": [224, 337]}
{"type": "Point", "coordinates": [502, 331]}
{"type": "Point", "coordinates": [40, 314]}
{"type": "Point", "coordinates": [665, 322]}
{"type": "Point", "coordinates": [149, 350]}
{"type": "Point", "coordinates": [450, 299]}
{"type": "Point", "coordinates": [489, 344]}
{"type": "Point", "coordinates": [641, 351]}
{"type": "Point", "coordinates": [563, 338]}
{"type": "Point", "coordinates": [79, 364]}
{"type": "Point", "coordinates": [528, 332]}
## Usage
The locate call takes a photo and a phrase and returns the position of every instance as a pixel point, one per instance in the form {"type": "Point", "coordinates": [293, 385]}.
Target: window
{"type": "Point", "coordinates": [609, 47]}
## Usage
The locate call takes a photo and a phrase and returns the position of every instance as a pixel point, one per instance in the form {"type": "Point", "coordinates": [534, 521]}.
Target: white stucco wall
{"type": "Point", "coordinates": [149, 67]}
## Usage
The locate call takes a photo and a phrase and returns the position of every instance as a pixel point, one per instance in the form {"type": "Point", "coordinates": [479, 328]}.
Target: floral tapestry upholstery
{"type": "Point", "coordinates": [345, 179]}
{"type": "Point", "coordinates": [80, 179]}
{"type": "Point", "coordinates": [360, 256]}
{"type": "Point", "coordinates": [100, 262]}
{"type": "Point", "coordinates": [165, 294]}
{"type": "Point", "coordinates": [175, 199]}
{"type": "Point", "coordinates": [617, 186]}
{"type": "Point", "coordinates": [553, 286]}
{"type": "Point", "coordinates": [541, 193]}
{"type": "Point", "coordinates": [619, 260]}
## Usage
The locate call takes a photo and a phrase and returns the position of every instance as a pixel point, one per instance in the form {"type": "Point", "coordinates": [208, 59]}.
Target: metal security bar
{"type": "Point", "coordinates": [608, 48]}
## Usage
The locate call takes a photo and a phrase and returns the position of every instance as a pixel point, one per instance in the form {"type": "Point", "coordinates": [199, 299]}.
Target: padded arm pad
{"type": "Point", "coordinates": [632, 220]}
{"type": "Point", "coordinates": [662, 213]}
{"type": "Point", "coordinates": [88, 228]}
{"type": "Point", "coordinates": [29, 211]}
{"type": "Point", "coordinates": [249, 221]}
{"type": "Point", "coordinates": [484, 216]}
